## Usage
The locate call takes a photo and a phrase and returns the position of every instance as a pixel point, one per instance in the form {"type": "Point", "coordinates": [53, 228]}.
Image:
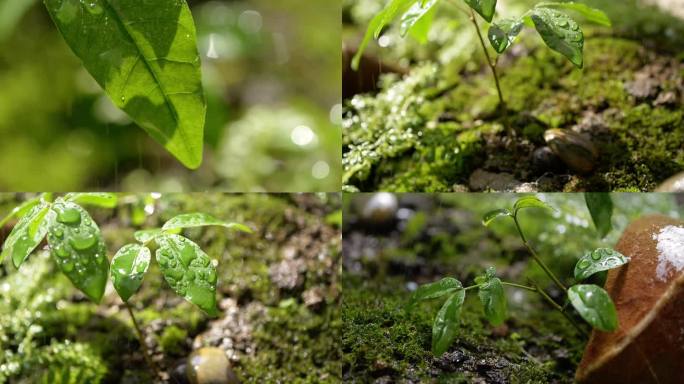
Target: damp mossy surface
{"type": "Point", "coordinates": [431, 129]}
{"type": "Point", "coordinates": [271, 332]}
{"type": "Point", "coordinates": [439, 235]}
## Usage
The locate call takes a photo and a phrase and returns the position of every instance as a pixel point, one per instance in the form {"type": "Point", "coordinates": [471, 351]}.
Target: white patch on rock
{"type": "Point", "coordinates": [670, 246]}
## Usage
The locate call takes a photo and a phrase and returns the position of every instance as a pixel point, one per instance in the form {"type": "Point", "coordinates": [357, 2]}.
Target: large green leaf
{"type": "Point", "coordinates": [600, 207]}
{"type": "Point", "coordinates": [529, 202]}
{"type": "Point", "coordinates": [492, 296]}
{"type": "Point", "coordinates": [503, 33]}
{"type": "Point", "coordinates": [601, 259]}
{"type": "Point", "coordinates": [493, 215]}
{"type": "Point", "coordinates": [560, 33]}
{"type": "Point", "coordinates": [76, 245]}
{"type": "Point", "coordinates": [20, 210]}
{"type": "Point", "coordinates": [105, 200]}
{"type": "Point", "coordinates": [188, 270]}
{"type": "Point", "coordinates": [591, 14]}
{"type": "Point", "coordinates": [128, 269]}
{"type": "Point", "coordinates": [446, 323]}
{"type": "Point", "coordinates": [190, 220]}
{"type": "Point", "coordinates": [384, 17]}
{"type": "Point", "coordinates": [27, 234]}
{"type": "Point", "coordinates": [436, 289]}
{"type": "Point", "coordinates": [146, 235]}
{"type": "Point", "coordinates": [416, 13]}
{"type": "Point", "coordinates": [485, 8]}
{"type": "Point", "coordinates": [594, 305]}
{"type": "Point", "coordinates": [144, 54]}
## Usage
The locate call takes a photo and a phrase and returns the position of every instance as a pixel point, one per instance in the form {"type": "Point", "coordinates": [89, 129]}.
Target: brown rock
{"type": "Point", "coordinates": [648, 346]}
{"type": "Point", "coordinates": [210, 366]}
{"type": "Point", "coordinates": [576, 150]}
{"type": "Point", "coordinates": [673, 184]}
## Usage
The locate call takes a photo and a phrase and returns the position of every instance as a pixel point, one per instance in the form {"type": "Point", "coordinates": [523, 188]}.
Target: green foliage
{"type": "Point", "coordinates": [446, 323]}
{"type": "Point", "coordinates": [173, 339]}
{"type": "Point", "coordinates": [492, 297]}
{"type": "Point", "coordinates": [590, 301]}
{"type": "Point", "coordinates": [434, 290]}
{"type": "Point", "coordinates": [135, 51]}
{"type": "Point", "coordinates": [26, 235]}
{"type": "Point", "coordinates": [502, 33]}
{"type": "Point", "coordinates": [77, 247]}
{"type": "Point", "coordinates": [129, 266]}
{"type": "Point", "coordinates": [601, 259]}
{"type": "Point", "coordinates": [594, 305]}
{"type": "Point", "coordinates": [485, 8]}
{"type": "Point", "coordinates": [600, 206]}
{"type": "Point", "coordinates": [104, 200]}
{"type": "Point", "coordinates": [188, 270]}
{"type": "Point", "coordinates": [561, 33]}
{"type": "Point", "coordinates": [192, 220]}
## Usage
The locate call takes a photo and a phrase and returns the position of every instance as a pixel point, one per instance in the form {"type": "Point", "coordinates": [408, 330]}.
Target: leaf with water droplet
{"type": "Point", "coordinates": [434, 290]}
{"type": "Point", "coordinates": [27, 234]}
{"type": "Point", "coordinates": [493, 215]}
{"type": "Point", "coordinates": [591, 14]}
{"type": "Point", "coordinates": [529, 202]}
{"type": "Point", "coordinates": [129, 266]}
{"type": "Point", "coordinates": [492, 296]}
{"type": "Point", "coordinates": [80, 245]}
{"type": "Point", "coordinates": [190, 220]}
{"type": "Point", "coordinates": [144, 54]}
{"type": "Point", "coordinates": [594, 305]}
{"type": "Point", "coordinates": [485, 8]}
{"type": "Point", "coordinates": [600, 207]}
{"type": "Point", "coordinates": [105, 200]}
{"type": "Point", "coordinates": [177, 257]}
{"type": "Point", "coordinates": [560, 33]}
{"type": "Point", "coordinates": [20, 210]}
{"type": "Point", "coordinates": [503, 33]}
{"type": "Point", "coordinates": [446, 323]}
{"type": "Point", "coordinates": [601, 259]}
{"type": "Point", "coordinates": [417, 19]}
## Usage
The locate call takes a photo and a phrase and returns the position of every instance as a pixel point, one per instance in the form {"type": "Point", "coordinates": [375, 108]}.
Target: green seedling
{"type": "Point", "coordinates": [76, 245]}
{"type": "Point", "coordinates": [590, 301]}
{"type": "Point", "coordinates": [557, 29]}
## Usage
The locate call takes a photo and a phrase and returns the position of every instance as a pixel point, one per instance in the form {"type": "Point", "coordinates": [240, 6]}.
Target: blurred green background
{"type": "Point", "coordinates": [271, 71]}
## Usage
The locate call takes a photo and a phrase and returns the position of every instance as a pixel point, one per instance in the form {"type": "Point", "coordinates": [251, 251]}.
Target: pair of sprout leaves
{"type": "Point", "coordinates": [77, 247]}
{"type": "Point", "coordinates": [591, 301]}
{"type": "Point", "coordinates": [558, 30]}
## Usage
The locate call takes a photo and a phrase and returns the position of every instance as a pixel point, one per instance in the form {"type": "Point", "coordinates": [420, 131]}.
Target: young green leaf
{"type": "Point", "coordinates": [416, 13]}
{"type": "Point", "coordinates": [591, 14]}
{"type": "Point", "coordinates": [529, 202]}
{"type": "Point", "coordinates": [492, 296]}
{"type": "Point", "coordinates": [560, 33]}
{"type": "Point", "coordinates": [144, 54]}
{"type": "Point", "coordinates": [493, 215]}
{"type": "Point", "coordinates": [129, 266]}
{"type": "Point", "coordinates": [434, 290]}
{"type": "Point", "coordinates": [19, 211]}
{"type": "Point", "coordinates": [384, 17]}
{"type": "Point", "coordinates": [446, 323]}
{"type": "Point", "coordinates": [146, 235]}
{"type": "Point", "coordinates": [105, 200]}
{"type": "Point", "coordinates": [485, 8]}
{"type": "Point", "coordinates": [502, 33]}
{"type": "Point", "coordinates": [190, 220]}
{"type": "Point", "coordinates": [600, 207]}
{"type": "Point", "coordinates": [78, 249]}
{"type": "Point", "coordinates": [601, 259]}
{"type": "Point", "coordinates": [594, 305]}
{"type": "Point", "coordinates": [27, 234]}
{"type": "Point", "coordinates": [188, 270]}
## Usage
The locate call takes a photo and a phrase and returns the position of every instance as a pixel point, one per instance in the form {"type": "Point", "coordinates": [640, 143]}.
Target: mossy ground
{"type": "Point", "coordinates": [443, 236]}
{"type": "Point", "coordinates": [431, 129]}
{"type": "Point", "coordinates": [274, 334]}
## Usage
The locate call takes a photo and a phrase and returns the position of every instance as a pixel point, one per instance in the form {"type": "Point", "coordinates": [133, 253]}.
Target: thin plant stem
{"type": "Point", "coordinates": [536, 257]}
{"type": "Point", "coordinates": [490, 62]}
{"type": "Point", "coordinates": [560, 309]}
{"type": "Point", "coordinates": [533, 289]}
{"type": "Point", "coordinates": [141, 338]}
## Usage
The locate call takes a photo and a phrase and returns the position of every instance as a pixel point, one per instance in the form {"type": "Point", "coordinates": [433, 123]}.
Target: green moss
{"type": "Point", "coordinates": [429, 131]}
{"type": "Point", "coordinates": [173, 340]}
